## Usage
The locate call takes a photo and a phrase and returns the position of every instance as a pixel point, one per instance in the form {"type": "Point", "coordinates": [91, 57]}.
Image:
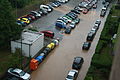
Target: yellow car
{"type": "Point", "coordinates": [51, 45]}
{"type": "Point", "coordinates": [24, 20]}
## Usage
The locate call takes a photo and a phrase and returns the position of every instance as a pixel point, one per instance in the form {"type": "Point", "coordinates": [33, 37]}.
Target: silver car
{"type": "Point", "coordinates": [19, 73]}
{"type": "Point", "coordinates": [72, 75]}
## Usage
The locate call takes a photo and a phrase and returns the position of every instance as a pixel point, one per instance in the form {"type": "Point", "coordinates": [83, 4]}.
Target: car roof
{"type": "Point", "coordinates": [78, 59]}
{"type": "Point", "coordinates": [47, 31]}
{"type": "Point", "coordinates": [16, 70]}
{"type": "Point", "coordinates": [71, 73]}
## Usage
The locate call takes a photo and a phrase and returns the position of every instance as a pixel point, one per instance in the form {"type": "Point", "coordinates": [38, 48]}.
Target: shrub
{"type": "Point", "coordinates": [100, 46]}
{"type": "Point", "coordinates": [117, 7]}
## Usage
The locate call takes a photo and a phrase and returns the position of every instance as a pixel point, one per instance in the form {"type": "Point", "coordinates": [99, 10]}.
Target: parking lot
{"type": "Point", "coordinates": [59, 61]}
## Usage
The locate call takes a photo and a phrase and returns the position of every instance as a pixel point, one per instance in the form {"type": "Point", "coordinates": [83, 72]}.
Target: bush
{"type": "Point", "coordinates": [117, 7]}
{"type": "Point", "coordinates": [19, 3]}
{"type": "Point", "coordinates": [103, 60]}
{"type": "Point", "coordinates": [12, 60]}
{"type": "Point", "coordinates": [100, 46]}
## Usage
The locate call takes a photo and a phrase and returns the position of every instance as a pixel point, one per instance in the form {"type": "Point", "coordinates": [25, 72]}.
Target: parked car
{"type": "Point", "coordinates": [56, 41]}
{"type": "Point", "coordinates": [63, 19]}
{"type": "Point", "coordinates": [77, 20]}
{"type": "Point", "coordinates": [72, 75]}
{"type": "Point", "coordinates": [32, 17]}
{"type": "Point", "coordinates": [36, 14]}
{"type": "Point", "coordinates": [43, 55]}
{"type": "Point", "coordinates": [103, 12]}
{"type": "Point", "coordinates": [75, 11]}
{"type": "Point", "coordinates": [86, 45]}
{"type": "Point", "coordinates": [60, 24]}
{"type": "Point", "coordinates": [48, 33]}
{"type": "Point", "coordinates": [68, 30]}
{"type": "Point", "coordinates": [94, 6]}
{"type": "Point", "coordinates": [46, 51]}
{"type": "Point", "coordinates": [77, 63]}
{"type": "Point", "coordinates": [28, 17]}
{"type": "Point", "coordinates": [50, 6]}
{"type": "Point", "coordinates": [106, 4]}
{"type": "Point", "coordinates": [23, 21]}
{"type": "Point", "coordinates": [51, 45]}
{"type": "Point", "coordinates": [73, 25]}
{"type": "Point", "coordinates": [56, 4]}
{"type": "Point", "coordinates": [85, 11]}
{"type": "Point", "coordinates": [98, 22]}
{"type": "Point", "coordinates": [45, 8]}
{"type": "Point", "coordinates": [63, 1]}
{"type": "Point", "coordinates": [44, 12]}
{"type": "Point", "coordinates": [95, 27]}
{"type": "Point", "coordinates": [93, 31]}
{"type": "Point", "coordinates": [90, 36]}
{"type": "Point", "coordinates": [68, 18]}
{"type": "Point", "coordinates": [78, 8]}
{"type": "Point", "coordinates": [19, 73]}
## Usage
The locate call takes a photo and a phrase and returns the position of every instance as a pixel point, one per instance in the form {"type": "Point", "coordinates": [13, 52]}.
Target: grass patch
{"type": "Point", "coordinates": [10, 60]}
{"type": "Point", "coordinates": [100, 66]}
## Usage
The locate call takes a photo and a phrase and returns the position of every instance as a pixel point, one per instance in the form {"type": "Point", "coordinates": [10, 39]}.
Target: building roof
{"type": "Point", "coordinates": [29, 37]}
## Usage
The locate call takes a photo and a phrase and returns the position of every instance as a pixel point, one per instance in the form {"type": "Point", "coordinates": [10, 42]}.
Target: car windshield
{"type": "Point", "coordinates": [86, 44]}
{"type": "Point", "coordinates": [70, 77]}
{"type": "Point", "coordinates": [22, 73]}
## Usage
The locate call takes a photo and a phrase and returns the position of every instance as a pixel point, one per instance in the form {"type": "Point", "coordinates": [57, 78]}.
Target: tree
{"type": "Point", "coordinates": [8, 27]}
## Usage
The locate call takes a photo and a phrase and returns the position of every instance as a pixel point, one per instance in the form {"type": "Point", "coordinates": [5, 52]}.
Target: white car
{"type": "Point", "coordinates": [19, 73]}
{"type": "Point", "coordinates": [72, 25]}
{"type": "Point", "coordinates": [36, 14]}
{"type": "Point", "coordinates": [98, 22]}
{"type": "Point", "coordinates": [72, 75]}
{"type": "Point", "coordinates": [63, 1]}
{"type": "Point", "coordinates": [46, 8]}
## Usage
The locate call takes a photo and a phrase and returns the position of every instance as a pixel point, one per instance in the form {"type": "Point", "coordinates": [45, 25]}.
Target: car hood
{"type": "Point", "coordinates": [68, 79]}
{"type": "Point", "coordinates": [26, 76]}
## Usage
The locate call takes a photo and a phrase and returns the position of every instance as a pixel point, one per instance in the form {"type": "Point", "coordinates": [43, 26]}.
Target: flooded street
{"type": "Point", "coordinates": [59, 61]}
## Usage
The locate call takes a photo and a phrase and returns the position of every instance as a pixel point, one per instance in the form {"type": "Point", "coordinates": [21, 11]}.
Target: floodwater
{"type": "Point", "coordinates": [59, 61]}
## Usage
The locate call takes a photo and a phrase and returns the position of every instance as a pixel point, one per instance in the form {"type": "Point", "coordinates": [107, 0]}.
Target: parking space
{"type": "Point", "coordinates": [59, 62]}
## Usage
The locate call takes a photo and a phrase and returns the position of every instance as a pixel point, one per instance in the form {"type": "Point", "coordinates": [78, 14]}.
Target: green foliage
{"type": "Point", "coordinates": [19, 3]}
{"type": "Point", "coordinates": [101, 44]}
{"type": "Point", "coordinates": [12, 60]}
{"type": "Point", "coordinates": [9, 29]}
{"type": "Point", "coordinates": [88, 78]}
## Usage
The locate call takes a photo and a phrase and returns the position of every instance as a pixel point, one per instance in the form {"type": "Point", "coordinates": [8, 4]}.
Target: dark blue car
{"type": "Point", "coordinates": [60, 25]}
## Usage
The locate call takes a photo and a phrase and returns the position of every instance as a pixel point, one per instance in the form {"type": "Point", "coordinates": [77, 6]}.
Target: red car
{"type": "Point", "coordinates": [48, 33]}
{"type": "Point", "coordinates": [33, 17]}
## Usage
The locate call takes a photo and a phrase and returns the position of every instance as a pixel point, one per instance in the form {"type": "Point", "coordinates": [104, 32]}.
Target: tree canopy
{"type": "Point", "coordinates": [8, 27]}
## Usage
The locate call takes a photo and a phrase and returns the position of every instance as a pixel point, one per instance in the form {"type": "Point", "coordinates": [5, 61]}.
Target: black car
{"type": "Point", "coordinates": [77, 63]}
{"type": "Point", "coordinates": [86, 45]}
{"type": "Point", "coordinates": [90, 37]}
{"type": "Point", "coordinates": [68, 30]}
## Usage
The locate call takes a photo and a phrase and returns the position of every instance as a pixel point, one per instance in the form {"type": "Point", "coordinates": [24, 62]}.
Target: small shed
{"type": "Point", "coordinates": [30, 44]}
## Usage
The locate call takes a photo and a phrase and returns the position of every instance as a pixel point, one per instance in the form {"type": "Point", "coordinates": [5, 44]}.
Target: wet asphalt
{"type": "Point", "coordinates": [59, 61]}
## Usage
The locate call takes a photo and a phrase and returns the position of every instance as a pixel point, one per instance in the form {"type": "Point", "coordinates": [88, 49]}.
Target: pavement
{"type": "Point", "coordinates": [59, 61]}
